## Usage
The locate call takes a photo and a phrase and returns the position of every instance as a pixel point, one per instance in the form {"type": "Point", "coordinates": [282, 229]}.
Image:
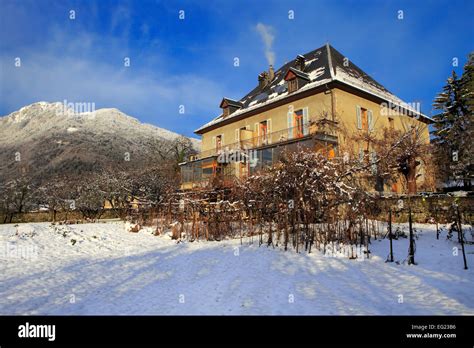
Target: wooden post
{"type": "Point", "coordinates": [436, 219]}
{"type": "Point", "coordinates": [367, 237]}
{"type": "Point", "coordinates": [411, 253]}
{"type": "Point", "coordinates": [461, 237]}
{"type": "Point", "coordinates": [251, 226]}
{"type": "Point", "coordinates": [390, 236]}
{"type": "Point", "coordinates": [297, 232]}
{"type": "Point", "coordinates": [241, 219]}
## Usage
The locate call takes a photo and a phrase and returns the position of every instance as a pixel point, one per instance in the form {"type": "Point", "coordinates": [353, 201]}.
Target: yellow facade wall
{"type": "Point", "coordinates": [316, 105]}
{"type": "Point", "coordinates": [345, 109]}
{"type": "Point", "coordinates": [346, 104]}
{"type": "Point", "coordinates": [346, 114]}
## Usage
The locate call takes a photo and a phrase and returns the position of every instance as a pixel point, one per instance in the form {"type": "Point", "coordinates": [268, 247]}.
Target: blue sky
{"type": "Point", "coordinates": [190, 62]}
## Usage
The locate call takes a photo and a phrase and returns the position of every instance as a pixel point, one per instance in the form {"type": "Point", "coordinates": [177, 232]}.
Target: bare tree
{"type": "Point", "coordinates": [175, 151]}
{"type": "Point", "coordinates": [408, 150]}
{"type": "Point", "coordinates": [58, 195]}
{"type": "Point", "coordinates": [18, 196]}
{"type": "Point", "coordinates": [90, 199]}
{"type": "Point", "coordinates": [151, 184]}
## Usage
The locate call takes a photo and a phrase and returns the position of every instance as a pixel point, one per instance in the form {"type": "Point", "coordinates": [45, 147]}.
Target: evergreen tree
{"type": "Point", "coordinates": [467, 97]}
{"type": "Point", "coordinates": [453, 128]}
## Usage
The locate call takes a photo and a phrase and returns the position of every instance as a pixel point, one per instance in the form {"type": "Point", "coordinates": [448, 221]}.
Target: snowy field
{"type": "Point", "coordinates": [103, 269]}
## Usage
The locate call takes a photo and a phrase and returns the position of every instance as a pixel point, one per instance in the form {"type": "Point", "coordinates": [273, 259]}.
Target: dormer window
{"type": "Point", "coordinates": [292, 85]}
{"type": "Point", "coordinates": [229, 106]}
{"type": "Point", "coordinates": [295, 79]}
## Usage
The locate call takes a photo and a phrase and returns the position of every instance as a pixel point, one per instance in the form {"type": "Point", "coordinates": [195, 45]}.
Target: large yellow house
{"type": "Point", "coordinates": [304, 103]}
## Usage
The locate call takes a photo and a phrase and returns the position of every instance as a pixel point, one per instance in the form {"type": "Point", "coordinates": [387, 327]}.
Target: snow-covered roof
{"type": "Point", "coordinates": [299, 73]}
{"type": "Point", "coordinates": [231, 102]}
{"type": "Point", "coordinates": [322, 65]}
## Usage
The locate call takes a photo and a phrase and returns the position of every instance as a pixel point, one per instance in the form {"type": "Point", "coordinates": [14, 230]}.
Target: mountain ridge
{"type": "Point", "coordinates": [25, 113]}
{"type": "Point", "coordinates": [46, 138]}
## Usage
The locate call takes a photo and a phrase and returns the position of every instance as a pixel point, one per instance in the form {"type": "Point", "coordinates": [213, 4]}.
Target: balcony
{"type": "Point", "coordinates": [288, 135]}
{"type": "Point", "coordinates": [207, 166]}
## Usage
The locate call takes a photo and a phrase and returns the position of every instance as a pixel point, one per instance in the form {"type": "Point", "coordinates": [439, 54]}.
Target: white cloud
{"type": "Point", "coordinates": [89, 68]}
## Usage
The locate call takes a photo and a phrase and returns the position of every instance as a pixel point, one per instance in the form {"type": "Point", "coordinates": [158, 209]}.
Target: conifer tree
{"type": "Point", "coordinates": [453, 128]}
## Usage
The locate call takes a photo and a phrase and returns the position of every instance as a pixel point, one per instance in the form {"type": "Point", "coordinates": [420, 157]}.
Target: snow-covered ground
{"type": "Point", "coordinates": [103, 269]}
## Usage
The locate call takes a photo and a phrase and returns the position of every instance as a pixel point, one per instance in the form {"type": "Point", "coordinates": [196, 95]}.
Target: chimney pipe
{"type": "Point", "coordinates": [300, 62]}
{"type": "Point", "coordinates": [263, 79]}
{"type": "Point", "coordinates": [271, 74]}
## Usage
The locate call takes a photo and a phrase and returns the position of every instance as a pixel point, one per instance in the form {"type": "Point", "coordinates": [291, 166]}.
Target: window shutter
{"type": "Point", "coordinates": [359, 119]}
{"type": "Point", "coordinates": [370, 120]}
{"type": "Point", "coordinates": [237, 134]}
{"type": "Point", "coordinates": [305, 121]}
{"type": "Point", "coordinates": [256, 134]}
{"type": "Point", "coordinates": [269, 130]}
{"type": "Point", "coordinates": [290, 125]}
{"type": "Point", "coordinates": [214, 142]}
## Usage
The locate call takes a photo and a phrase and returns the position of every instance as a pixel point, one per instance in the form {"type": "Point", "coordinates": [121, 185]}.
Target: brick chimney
{"type": "Point", "coordinates": [300, 62]}
{"type": "Point", "coordinates": [271, 74]}
{"type": "Point", "coordinates": [266, 77]}
{"type": "Point", "coordinates": [262, 79]}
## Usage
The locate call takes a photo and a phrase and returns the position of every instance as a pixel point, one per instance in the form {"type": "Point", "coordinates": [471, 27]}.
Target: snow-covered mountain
{"type": "Point", "coordinates": [42, 118]}
{"type": "Point", "coordinates": [48, 137]}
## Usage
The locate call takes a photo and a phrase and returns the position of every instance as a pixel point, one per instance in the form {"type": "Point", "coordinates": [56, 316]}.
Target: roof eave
{"type": "Point", "coordinates": [203, 129]}
{"type": "Point", "coordinates": [430, 120]}
{"type": "Point", "coordinates": [211, 125]}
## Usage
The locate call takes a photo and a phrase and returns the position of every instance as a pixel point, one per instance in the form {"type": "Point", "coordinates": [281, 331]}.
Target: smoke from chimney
{"type": "Point", "coordinates": [266, 33]}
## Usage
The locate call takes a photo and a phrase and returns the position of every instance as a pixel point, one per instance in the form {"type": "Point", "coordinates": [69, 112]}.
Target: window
{"type": "Point", "coordinates": [365, 123]}
{"type": "Point", "coordinates": [263, 132]}
{"type": "Point", "coordinates": [365, 119]}
{"type": "Point", "coordinates": [187, 173]}
{"type": "Point", "coordinates": [208, 169]}
{"type": "Point", "coordinates": [267, 157]}
{"type": "Point", "coordinates": [298, 124]}
{"type": "Point", "coordinates": [263, 158]}
{"type": "Point", "coordinates": [391, 123]}
{"type": "Point", "coordinates": [219, 142]}
{"type": "Point", "coordinates": [197, 171]}
{"type": "Point", "coordinates": [292, 85]}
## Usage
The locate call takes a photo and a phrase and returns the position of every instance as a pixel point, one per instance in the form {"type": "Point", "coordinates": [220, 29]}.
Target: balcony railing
{"type": "Point", "coordinates": [281, 136]}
